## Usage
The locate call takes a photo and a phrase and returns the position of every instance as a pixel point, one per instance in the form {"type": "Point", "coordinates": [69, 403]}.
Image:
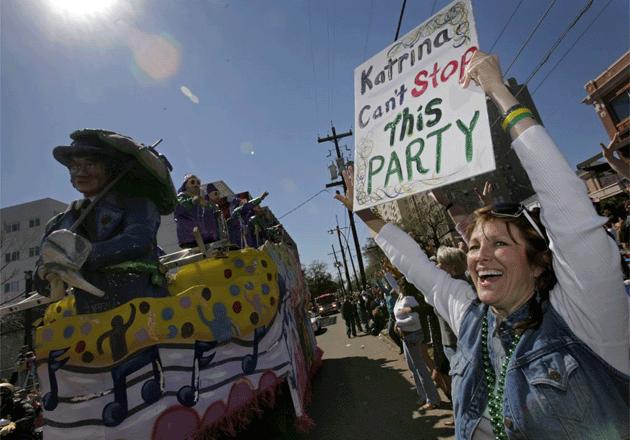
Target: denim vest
{"type": "Point", "coordinates": [555, 387]}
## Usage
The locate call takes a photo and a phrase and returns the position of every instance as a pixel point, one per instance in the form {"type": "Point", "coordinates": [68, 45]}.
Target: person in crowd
{"type": "Point", "coordinates": [362, 309]}
{"type": "Point", "coordinates": [542, 347]}
{"type": "Point", "coordinates": [122, 229]}
{"type": "Point", "coordinates": [409, 328]}
{"type": "Point", "coordinates": [357, 311]}
{"type": "Point", "coordinates": [348, 315]}
{"type": "Point", "coordinates": [438, 365]}
{"type": "Point", "coordinates": [18, 416]}
{"type": "Point", "coordinates": [390, 300]}
{"type": "Point", "coordinates": [379, 320]}
{"type": "Point", "coordinates": [194, 211]}
{"type": "Point", "coordinates": [453, 261]}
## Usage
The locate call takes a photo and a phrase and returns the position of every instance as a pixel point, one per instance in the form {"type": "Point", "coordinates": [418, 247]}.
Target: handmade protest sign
{"type": "Point", "coordinates": [416, 127]}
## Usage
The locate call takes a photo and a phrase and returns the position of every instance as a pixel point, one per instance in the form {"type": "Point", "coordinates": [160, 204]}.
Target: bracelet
{"type": "Point", "coordinates": [513, 114]}
{"type": "Point", "coordinates": [511, 109]}
{"type": "Point", "coordinates": [518, 118]}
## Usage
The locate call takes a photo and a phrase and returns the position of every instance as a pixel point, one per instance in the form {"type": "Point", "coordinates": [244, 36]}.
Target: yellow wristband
{"type": "Point", "coordinates": [512, 115]}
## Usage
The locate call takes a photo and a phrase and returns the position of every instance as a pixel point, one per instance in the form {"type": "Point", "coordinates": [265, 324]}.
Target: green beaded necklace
{"type": "Point", "coordinates": [495, 388]}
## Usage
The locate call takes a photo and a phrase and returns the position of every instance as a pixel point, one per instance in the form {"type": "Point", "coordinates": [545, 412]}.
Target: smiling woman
{"type": "Point", "coordinates": [546, 328]}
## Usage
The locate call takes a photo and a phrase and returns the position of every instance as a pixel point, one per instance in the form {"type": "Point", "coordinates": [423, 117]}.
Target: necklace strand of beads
{"type": "Point", "coordinates": [496, 388]}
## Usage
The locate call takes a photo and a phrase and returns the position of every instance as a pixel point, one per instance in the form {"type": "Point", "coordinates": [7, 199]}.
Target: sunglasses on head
{"type": "Point", "coordinates": [194, 181]}
{"type": "Point", "coordinates": [515, 210]}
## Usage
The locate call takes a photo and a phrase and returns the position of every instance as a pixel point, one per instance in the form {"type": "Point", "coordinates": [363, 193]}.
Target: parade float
{"type": "Point", "coordinates": [200, 362]}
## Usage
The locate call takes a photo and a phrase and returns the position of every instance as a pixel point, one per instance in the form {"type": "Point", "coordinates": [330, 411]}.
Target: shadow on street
{"type": "Point", "coordinates": [362, 398]}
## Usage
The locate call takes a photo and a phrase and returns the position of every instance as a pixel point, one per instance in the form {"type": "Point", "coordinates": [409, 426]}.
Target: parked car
{"type": "Point", "coordinates": [327, 304]}
{"type": "Point", "coordinates": [316, 325]}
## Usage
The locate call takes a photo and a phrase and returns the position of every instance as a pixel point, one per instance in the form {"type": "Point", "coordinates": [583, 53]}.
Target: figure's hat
{"type": "Point", "coordinates": [85, 143]}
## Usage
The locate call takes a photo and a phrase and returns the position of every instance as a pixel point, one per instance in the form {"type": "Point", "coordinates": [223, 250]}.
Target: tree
{"type": "Point", "coordinates": [318, 279]}
{"type": "Point", "coordinates": [429, 223]}
{"type": "Point", "coordinates": [374, 257]}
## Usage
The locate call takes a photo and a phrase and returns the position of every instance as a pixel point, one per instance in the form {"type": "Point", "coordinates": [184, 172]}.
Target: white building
{"type": "Point", "coordinates": [22, 229]}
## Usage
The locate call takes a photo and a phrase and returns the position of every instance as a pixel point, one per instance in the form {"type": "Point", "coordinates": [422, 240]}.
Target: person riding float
{"type": "Point", "coordinates": [543, 338]}
{"type": "Point", "coordinates": [195, 211]}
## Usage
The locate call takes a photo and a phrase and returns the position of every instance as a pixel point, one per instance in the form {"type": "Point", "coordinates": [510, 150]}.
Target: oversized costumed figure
{"type": "Point", "coordinates": [105, 244]}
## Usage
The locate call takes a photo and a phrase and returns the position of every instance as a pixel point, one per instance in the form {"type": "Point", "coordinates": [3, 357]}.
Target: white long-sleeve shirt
{"type": "Point", "coordinates": [407, 322]}
{"type": "Point", "coordinates": [589, 294]}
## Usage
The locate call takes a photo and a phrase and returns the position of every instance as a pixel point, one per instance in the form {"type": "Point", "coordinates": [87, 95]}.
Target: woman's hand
{"type": "Point", "coordinates": [348, 178]}
{"type": "Point", "coordinates": [485, 71]}
{"type": "Point", "coordinates": [372, 221]}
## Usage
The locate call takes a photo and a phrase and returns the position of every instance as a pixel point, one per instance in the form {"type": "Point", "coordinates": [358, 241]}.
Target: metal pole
{"type": "Point", "coordinates": [345, 263]}
{"type": "Point", "coordinates": [354, 271]}
{"type": "Point", "coordinates": [28, 317]}
{"type": "Point", "coordinates": [351, 216]}
{"type": "Point", "coordinates": [338, 265]}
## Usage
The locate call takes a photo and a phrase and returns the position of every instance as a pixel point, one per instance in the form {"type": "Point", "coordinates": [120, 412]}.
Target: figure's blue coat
{"type": "Point", "coordinates": [121, 229]}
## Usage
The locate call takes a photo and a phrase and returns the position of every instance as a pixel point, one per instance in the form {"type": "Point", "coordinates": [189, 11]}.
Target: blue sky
{"type": "Point", "coordinates": [219, 80]}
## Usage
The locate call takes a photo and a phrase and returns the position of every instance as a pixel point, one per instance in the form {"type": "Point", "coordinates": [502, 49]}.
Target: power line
{"type": "Point", "coordinates": [328, 54]}
{"type": "Point", "coordinates": [402, 12]}
{"type": "Point", "coordinates": [504, 27]}
{"type": "Point", "coordinates": [433, 7]}
{"type": "Point", "coordinates": [545, 57]}
{"type": "Point", "coordinates": [310, 39]}
{"type": "Point", "coordinates": [303, 203]}
{"type": "Point", "coordinates": [369, 29]}
{"type": "Point", "coordinates": [531, 34]}
{"type": "Point", "coordinates": [572, 46]}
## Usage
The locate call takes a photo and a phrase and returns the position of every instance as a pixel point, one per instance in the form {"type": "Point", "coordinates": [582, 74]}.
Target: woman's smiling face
{"type": "Point", "coordinates": [497, 262]}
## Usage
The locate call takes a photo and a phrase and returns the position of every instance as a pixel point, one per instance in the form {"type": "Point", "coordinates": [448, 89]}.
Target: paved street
{"type": "Point", "coordinates": [364, 391]}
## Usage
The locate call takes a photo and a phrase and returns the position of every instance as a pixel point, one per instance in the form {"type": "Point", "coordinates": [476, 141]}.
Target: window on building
{"type": "Point", "coordinates": [620, 107]}
{"type": "Point", "coordinates": [11, 256]}
{"type": "Point", "coordinates": [33, 252]}
{"type": "Point", "coordinates": [34, 222]}
{"type": "Point", "coordinates": [13, 286]}
{"type": "Point", "coordinates": [12, 227]}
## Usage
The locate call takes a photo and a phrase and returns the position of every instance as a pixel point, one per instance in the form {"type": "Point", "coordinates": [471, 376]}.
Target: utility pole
{"type": "Point", "coordinates": [343, 256]}
{"type": "Point", "coordinates": [338, 266]}
{"type": "Point", "coordinates": [335, 138]}
{"type": "Point", "coordinates": [345, 266]}
{"type": "Point", "coordinates": [354, 271]}
{"type": "Point", "coordinates": [28, 317]}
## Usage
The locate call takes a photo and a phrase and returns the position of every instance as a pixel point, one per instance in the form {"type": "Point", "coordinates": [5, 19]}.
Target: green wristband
{"type": "Point", "coordinates": [517, 119]}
